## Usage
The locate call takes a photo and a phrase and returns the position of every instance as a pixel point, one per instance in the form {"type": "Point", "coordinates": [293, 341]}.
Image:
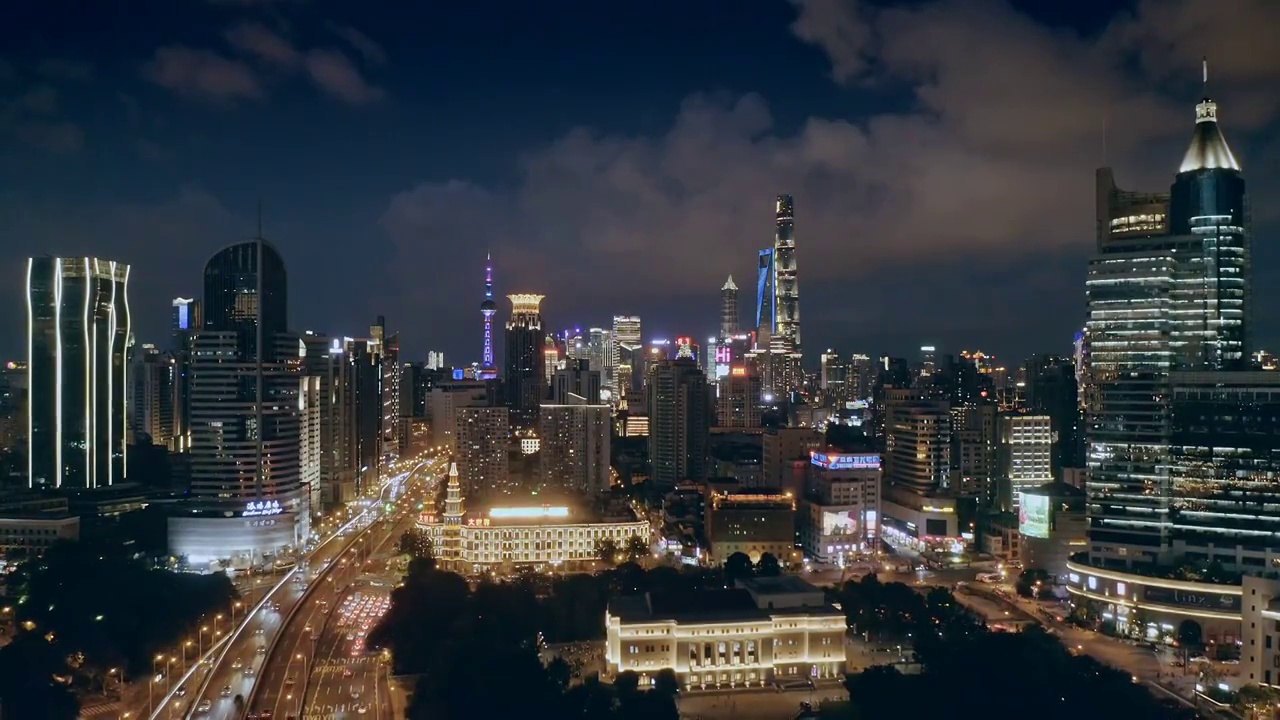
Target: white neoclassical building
{"type": "Point", "coordinates": [767, 630]}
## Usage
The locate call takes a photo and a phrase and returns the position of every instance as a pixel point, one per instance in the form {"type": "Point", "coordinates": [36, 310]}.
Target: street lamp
{"type": "Point", "coordinates": [203, 629]}
{"type": "Point", "coordinates": [151, 681]}
{"type": "Point", "coordinates": [185, 645]}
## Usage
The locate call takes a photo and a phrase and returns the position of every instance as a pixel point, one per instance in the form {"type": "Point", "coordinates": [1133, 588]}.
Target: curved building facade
{"type": "Point", "coordinates": [79, 329]}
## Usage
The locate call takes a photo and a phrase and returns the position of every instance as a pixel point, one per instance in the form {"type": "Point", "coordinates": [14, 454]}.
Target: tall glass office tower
{"type": "Point", "coordinates": [78, 334]}
{"type": "Point", "coordinates": [786, 279]}
{"type": "Point", "coordinates": [1167, 295]}
{"type": "Point", "coordinates": [247, 500]}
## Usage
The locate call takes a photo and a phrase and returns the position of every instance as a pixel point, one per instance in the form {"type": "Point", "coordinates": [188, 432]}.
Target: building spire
{"type": "Point", "coordinates": [487, 309]}
{"type": "Point", "coordinates": [259, 219]}
{"type": "Point", "coordinates": [1208, 150]}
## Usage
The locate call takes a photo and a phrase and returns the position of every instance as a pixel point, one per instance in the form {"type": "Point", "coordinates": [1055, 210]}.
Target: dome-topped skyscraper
{"type": "Point", "coordinates": [1208, 202]}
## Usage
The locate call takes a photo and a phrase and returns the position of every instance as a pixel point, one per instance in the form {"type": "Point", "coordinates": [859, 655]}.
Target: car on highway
{"type": "Point", "coordinates": [288, 681]}
{"type": "Point", "coordinates": [346, 672]}
{"type": "Point", "coordinates": [237, 664]}
{"type": "Point", "coordinates": [226, 691]}
{"type": "Point", "coordinates": [249, 671]}
{"type": "Point", "coordinates": [181, 691]}
{"type": "Point", "coordinates": [205, 706]}
{"type": "Point", "coordinates": [262, 650]}
{"type": "Point", "coordinates": [259, 631]}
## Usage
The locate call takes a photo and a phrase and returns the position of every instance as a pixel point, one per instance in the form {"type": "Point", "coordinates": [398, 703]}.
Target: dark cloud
{"type": "Point", "coordinates": [65, 70]}
{"type": "Point", "coordinates": [203, 75]}
{"type": "Point", "coordinates": [332, 72]}
{"type": "Point", "coordinates": [371, 51]}
{"type": "Point", "coordinates": [265, 45]}
{"type": "Point", "coordinates": [989, 174]}
{"type": "Point", "coordinates": [32, 117]}
{"type": "Point", "coordinates": [329, 70]}
{"type": "Point", "coordinates": [63, 138]}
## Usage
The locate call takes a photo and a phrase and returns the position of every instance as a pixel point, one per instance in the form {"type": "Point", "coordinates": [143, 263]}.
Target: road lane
{"type": "Point", "coordinates": [206, 682]}
{"type": "Point", "coordinates": [283, 680]}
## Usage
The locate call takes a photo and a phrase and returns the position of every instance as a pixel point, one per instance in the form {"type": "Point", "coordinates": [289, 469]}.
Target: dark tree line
{"type": "Point", "coordinates": [968, 672]}
{"type": "Point", "coordinates": [459, 640]}
{"type": "Point", "coordinates": [83, 611]}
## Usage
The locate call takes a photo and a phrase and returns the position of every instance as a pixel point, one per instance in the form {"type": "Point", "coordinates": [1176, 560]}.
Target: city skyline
{"type": "Point", "coordinates": [146, 194]}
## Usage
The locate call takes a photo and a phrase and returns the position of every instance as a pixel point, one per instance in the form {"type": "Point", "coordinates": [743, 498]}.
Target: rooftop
{"type": "Point", "coordinates": [1208, 150]}
{"type": "Point", "coordinates": [781, 584]}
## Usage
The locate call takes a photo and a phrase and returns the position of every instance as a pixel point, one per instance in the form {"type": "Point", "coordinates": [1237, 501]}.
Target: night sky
{"type": "Point", "coordinates": [621, 157]}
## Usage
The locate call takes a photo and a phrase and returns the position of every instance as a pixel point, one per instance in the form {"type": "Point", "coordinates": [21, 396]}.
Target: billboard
{"type": "Point", "coordinates": [1033, 516]}
{"type": "Point", "coordinates": [845, 461]}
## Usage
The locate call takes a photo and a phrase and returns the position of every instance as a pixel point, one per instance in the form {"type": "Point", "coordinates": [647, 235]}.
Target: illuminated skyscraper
{"type": "Point", "coordinates": [627, 354]}
{"type": "Point", "coordinates": [729, 309]}
{"type": "Point", "coordinates": [187, 320]}
{"type": "Point", "coordinates": [1168, 296]}
{"type": "Point", "coordinates": [786, 281]}
{"type": "Point", "coordinates": [246, 415]}
{"type": "Point", "coordinates": [488, 369]}
{"type": "Point", "coordinates": [525, 378]}
{"type": "Point", "coordinates": [78, 336]}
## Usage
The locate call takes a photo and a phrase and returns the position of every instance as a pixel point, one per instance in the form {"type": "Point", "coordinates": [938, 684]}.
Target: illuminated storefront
{"type": "Point", "coordinates": [1163, 604]}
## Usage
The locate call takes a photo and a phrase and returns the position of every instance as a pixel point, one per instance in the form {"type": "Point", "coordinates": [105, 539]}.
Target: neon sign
{"type": "Point", "coordinates": [739, 372]}
{"type": "Point", "coordinates": [260, 508]}
{"type": "Point", "coordinates": [845, 461]}
{"type": "Point", "coordinates": [724, 354]}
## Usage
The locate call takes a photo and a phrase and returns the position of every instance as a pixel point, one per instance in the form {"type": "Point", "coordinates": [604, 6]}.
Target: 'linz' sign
{"type": "Point", "coordinates": [1187, 599]}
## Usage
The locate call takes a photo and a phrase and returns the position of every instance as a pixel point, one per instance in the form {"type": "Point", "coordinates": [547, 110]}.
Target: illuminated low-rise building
{"type": "Point", "coordinates": [503, 538]}
{"type": "Point", "coordinates": [753, 523]}
{"type": "Point", "coordinates": [840, 513]}
{"type": "Point", "coordinates": [776, 630]}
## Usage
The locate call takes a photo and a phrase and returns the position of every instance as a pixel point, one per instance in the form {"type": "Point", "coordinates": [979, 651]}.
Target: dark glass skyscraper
{"type": "Point", "coordinates": [247, 497]}
{"type": "Point", "coordinates": [525, 378]}
{"type": "Point", "coordinates": [78, 335]}
{"type": "Point", "coordinates": [1167, 293]}
{"type": "Point", "coordinates": [764, 295]}
{"type": "Point", "coordinates": [680, 412]}
{"type": "Point", "coordinates": [246, 292]}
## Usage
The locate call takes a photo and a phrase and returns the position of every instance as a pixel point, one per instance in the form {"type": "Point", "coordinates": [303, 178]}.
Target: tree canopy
{"type": "Point", "coordinates": [84, 610]}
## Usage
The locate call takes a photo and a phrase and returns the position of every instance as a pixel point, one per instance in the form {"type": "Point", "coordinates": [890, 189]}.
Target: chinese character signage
{"type": "Point", "coordinates": [259, 508]}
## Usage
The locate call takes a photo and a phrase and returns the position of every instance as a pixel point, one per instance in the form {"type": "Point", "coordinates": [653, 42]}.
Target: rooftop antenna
{"type": "Point", "coordinates": [1204, 74]}
{"type": "Point", "coordinates": [1104, 140]}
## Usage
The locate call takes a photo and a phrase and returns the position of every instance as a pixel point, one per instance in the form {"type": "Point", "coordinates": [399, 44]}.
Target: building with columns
{"type": "Point", "coordinates": [766, 630]}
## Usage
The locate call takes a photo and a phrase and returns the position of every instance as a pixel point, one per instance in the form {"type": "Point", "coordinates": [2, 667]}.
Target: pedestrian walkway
{"type": "Point", "coordinates": [99, 707]}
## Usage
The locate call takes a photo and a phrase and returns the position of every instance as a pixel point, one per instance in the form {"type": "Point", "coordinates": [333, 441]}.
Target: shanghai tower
{"type": "Point", "coordinates": [786, 283]}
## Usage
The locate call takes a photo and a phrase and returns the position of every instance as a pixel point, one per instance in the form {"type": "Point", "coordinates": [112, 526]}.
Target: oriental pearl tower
{"type": "Point", "coordinates": [488, 370]}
